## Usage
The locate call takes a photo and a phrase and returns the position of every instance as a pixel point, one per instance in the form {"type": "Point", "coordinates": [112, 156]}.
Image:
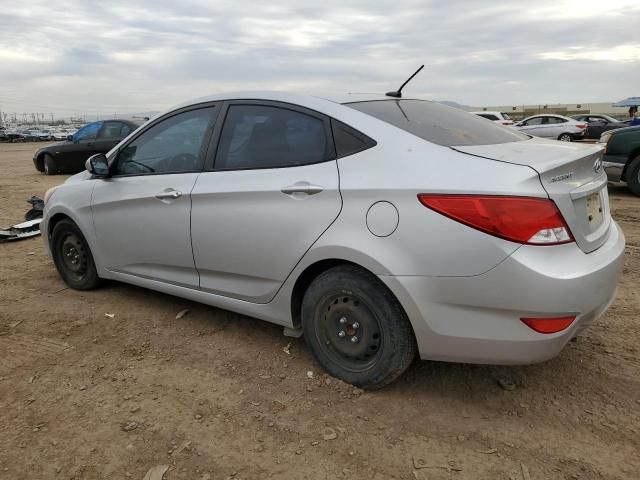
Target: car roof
{"type": "Point", "coordinates": [289, 97]}
{"type": "Point", "coordinates": [549, 115]}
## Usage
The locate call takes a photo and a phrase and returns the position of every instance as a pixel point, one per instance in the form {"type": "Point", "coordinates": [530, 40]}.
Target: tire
{"type": "Point", "coordinates": [49, 165]}
{"type": "Point", "coordinates": [72, 256]}
{"type": "Point", "coordinates": [633, 176]}
{"type": "Point", "coordinates": [347, 302]}
{"type": "Point", "coordinates": [565, 137]}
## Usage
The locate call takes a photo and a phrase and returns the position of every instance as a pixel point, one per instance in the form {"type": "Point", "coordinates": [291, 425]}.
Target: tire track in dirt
{"type": "Point", "coordinates": [20, 350]}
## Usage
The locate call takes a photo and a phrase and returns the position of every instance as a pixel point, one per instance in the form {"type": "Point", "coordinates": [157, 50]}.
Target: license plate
{"type": "Point", "coordinates": [594, 209]}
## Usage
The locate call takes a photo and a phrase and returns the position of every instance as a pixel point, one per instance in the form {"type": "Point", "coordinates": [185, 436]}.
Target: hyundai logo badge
{"type": "Point", "coordinates": [597, 166]}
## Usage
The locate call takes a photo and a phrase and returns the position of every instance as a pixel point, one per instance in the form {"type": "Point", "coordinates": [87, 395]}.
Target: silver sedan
{"type": "Point", "coordinates": [380, 228]}
{"type": "Point", "coordinates": [553, 126]}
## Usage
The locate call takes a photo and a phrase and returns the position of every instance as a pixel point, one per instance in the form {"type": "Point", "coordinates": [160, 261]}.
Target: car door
{"type": "Point", "coordinates": [83, 146]}
{"type": "Point", "coordinates": [269, 193]}
{"type": "Point", "coordinates": [141, 213]}
{"type": "Point", "coordinates": [532, 126]}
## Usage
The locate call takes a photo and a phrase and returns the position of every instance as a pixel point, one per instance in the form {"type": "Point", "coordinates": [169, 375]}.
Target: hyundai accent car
{"type": "Point", "coordinates": [558, 127]}
{"type": "Point", "coordinates": [380, 228]}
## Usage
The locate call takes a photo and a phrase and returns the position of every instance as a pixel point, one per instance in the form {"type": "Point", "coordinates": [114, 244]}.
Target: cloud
{"type": "Point", "coordinates": [104, 57]}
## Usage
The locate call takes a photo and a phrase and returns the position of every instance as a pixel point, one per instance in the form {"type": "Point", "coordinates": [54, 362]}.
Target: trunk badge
{"type": "Point", "coordinates": [564, 176]}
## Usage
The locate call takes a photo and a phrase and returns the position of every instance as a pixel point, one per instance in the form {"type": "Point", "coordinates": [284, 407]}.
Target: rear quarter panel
{"type": "Point", "coordinates": [424, 243]}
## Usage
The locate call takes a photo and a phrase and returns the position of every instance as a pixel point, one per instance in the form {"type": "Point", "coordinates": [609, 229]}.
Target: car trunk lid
{"type": "Point", "coordinates": [573, 177]}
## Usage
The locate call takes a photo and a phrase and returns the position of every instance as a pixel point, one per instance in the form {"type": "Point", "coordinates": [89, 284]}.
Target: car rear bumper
{"type": "Point", "coordinates": [614, 166]}
{"type": "Point", "coordinates": [579, 135]}
{"type": "Point", "coordinates": [477, 319]}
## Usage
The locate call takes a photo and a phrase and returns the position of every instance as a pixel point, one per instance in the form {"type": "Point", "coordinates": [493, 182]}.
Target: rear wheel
{"type": "Point", "coordinates": [72, 256]}
{"type": "Point", "coordinates": [565, 137]}
{"type": "Point", "coordinates": [356, 329]}
{"type": "Point", "coordinates": [49, 165]}
{"type": "Point", "coordinates": [633, 176]}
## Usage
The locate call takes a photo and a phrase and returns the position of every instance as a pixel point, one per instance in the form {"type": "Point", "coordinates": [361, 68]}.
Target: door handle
{"type": "Point", "coordinates": [302, 187]}
{"type": "Point", "coordinates": [168, 195]}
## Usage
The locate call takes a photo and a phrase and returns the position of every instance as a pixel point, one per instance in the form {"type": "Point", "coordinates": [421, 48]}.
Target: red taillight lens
{"type": "Point", "coordinates": [581, 125]}
{"type": "Point", "coordinates": [534, 221]}
{"type": "Point", "coordinates": [548, 325]}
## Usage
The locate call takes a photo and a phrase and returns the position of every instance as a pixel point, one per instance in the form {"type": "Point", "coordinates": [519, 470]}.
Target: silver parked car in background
{"type": "Point", "coordinates": [381, 228]}
{"type": "Point", "coordinates": [553, 126]}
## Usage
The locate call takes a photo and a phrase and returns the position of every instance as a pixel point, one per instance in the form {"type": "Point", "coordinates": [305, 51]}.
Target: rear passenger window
{"type": "Point", "coordinates": [348, 140]}
{"type": "Point", "coordinates": [111, 130]}
{"type": "Point", "coordinates": [258, 136]}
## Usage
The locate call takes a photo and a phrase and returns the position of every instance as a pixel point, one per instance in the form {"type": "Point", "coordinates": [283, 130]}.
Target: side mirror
{"type": "Point", "coordinates": [69, 138]}
{"type": "Point", "coordinates": [98, 165]}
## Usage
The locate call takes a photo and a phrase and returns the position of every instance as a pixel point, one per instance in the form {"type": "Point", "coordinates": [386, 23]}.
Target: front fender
{"type": "Point", "coordinates": [74, 202]}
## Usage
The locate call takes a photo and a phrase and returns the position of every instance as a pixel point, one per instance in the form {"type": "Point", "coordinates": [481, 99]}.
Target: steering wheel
{"type": "Point", "coordinates": [182, 162]}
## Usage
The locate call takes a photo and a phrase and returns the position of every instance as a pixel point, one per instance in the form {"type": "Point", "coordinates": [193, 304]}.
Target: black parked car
{"type": "Point", "coordinates": [598, 123]}
{"type": "Point", "coordinates": [621, 158]}
{"type": "Point", "coordinates": [70, 156]}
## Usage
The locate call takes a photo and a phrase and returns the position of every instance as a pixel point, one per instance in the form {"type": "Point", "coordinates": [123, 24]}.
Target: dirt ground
{"type": "Point", "coordinates": [215, 395]}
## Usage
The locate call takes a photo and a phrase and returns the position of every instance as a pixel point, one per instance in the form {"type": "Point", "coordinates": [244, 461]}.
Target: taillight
{"type": "Point", "coordinates": [548, 325]}
{"type": "Point", "coordinates": [532, 221]}
{"type": "Point", "coordinates": [581, 125]}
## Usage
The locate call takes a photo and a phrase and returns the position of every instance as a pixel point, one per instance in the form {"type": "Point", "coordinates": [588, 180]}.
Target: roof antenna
{"type": "Point", "coordinates": [398, 93]}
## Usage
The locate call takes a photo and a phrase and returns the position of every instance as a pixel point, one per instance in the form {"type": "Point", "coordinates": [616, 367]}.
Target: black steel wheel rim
{"type": "Point", "coordinates": [74, 256]}
{"type": "Point", "coordinates": [348, 331]}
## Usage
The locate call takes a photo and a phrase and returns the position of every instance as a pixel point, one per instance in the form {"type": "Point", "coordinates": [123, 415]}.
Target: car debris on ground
{"type": "Point", "coordinates": [30, 227]}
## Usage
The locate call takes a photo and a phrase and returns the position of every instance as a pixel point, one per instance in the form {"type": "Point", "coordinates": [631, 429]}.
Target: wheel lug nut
{"type": "Point", "coordinates": [355, 325]}
{"type": "Point", "coordinates": [342, 333]}
{"type": "Point", "coordinates": [343, 320]}
{"type": "Point", "coordinates": [354, 339]}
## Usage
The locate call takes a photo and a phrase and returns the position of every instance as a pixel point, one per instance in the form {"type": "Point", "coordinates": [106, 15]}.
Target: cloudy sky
{"type": "Point", "coordinates": [74, 57]}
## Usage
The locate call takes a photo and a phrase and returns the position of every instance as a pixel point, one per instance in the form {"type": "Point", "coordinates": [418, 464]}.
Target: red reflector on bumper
{"type": "Point", "coordinates": [548, 325]}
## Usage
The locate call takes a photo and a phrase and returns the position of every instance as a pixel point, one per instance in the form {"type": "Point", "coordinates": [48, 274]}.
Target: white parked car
{"type": "Point", "coordinates": [553, 126]}
{"type": "Point", "coordinates": [497, 117]}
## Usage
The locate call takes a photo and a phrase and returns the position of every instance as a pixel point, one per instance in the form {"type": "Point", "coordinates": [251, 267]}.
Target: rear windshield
{"type": "Point", "coordinates": [437, 123]}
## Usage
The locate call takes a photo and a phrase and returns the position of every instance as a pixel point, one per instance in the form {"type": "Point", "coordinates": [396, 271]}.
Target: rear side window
{"type": "Point", "coordinates": [438, 123]}
{"type": "Point", "coordinates": [348, 140]}
{"type": "Point", "coordinates": [111, 130]}
{"type": "Point", "coordinates": [259, 136]}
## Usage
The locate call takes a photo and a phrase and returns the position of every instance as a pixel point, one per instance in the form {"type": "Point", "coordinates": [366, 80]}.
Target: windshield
{"type": "Point", "coordinates": [438, 123]}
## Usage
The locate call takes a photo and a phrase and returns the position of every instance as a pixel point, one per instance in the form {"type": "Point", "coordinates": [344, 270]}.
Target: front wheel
{"type": "Point", "coordinates": [72, 256]}
{"type": "Point", "coordinates": [356, 328]}
{"type": "Point", "coordinates": [565, 137]}
{"type": "Point", "coordinates": [633, 176]}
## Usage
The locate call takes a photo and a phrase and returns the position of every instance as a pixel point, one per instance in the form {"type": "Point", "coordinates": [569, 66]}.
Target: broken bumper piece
{"type": "Point", "coordinates": [21, 230]}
